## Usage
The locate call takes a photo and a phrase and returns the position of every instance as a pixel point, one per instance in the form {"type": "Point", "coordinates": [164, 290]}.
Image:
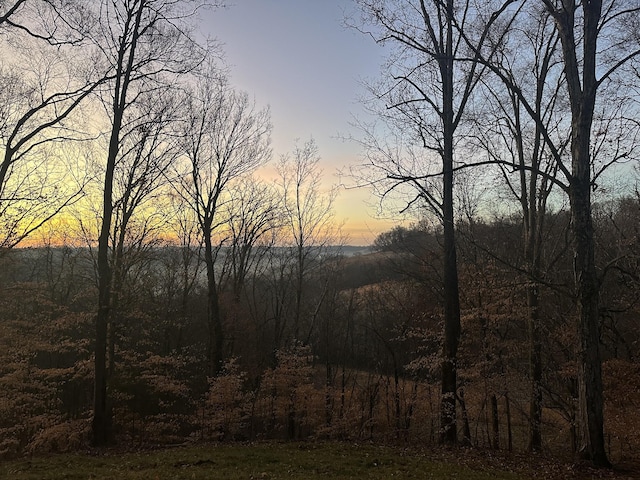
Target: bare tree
{"type": "Point", "coordinates": [226, 137]}
{"type": "Point", "coordinates": [425, 98]}
{"type": "Point", "coordinates": [516, 143]}
{"type": "Point", "coordinates": [254, 213]}
{"type": "Point", "coordinates": [309, 218]}
{"type": "Point", "coordinates": [598, 42]}
{"type": "Point", "coordinates": [612, 26]}
{"type": "Point", "coordinates": [183, 267]}
{"type": "Point", "coordinates": [148, 147]}
{"type": "Point", "coordinates": [41, 90]}
{"type": "Point", "coordinates": [254, 217]}
{"type": "Point", "coordinates": [57, 22]}
{"type": "Point", "coordinates": [146, 44]}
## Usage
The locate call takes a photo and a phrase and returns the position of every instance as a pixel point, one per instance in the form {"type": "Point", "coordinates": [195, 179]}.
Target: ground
{"type": "Point", "coordinates": [308, 460]}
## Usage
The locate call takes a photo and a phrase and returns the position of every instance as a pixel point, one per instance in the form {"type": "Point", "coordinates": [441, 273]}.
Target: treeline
{"type": "Point", "coordinates": [353, 352]}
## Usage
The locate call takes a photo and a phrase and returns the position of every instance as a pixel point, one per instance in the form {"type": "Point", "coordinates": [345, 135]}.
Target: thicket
{"type": "Point", "coordinates": [366, 360]}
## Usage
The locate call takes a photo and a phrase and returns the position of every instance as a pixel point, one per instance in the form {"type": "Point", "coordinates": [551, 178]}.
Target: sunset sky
{"type": "Point", "coordinates": [297, 57]}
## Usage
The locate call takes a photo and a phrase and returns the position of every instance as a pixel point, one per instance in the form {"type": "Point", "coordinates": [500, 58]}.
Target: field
{"type": "Point", "coordinates": [295, 461]}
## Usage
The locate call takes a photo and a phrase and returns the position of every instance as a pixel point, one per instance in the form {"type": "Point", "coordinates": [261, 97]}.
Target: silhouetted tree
{"type": "Point", "coordinates": [425, 96]}
{"type": "Point", "coordinates": [510, 137]}
{"type": "Point", "coordinates": [145, 43]}
{"type": "Point", "coordinates": [308, 219]}
{"type": "Point", "coordinates": [225, 137]}
{"type": "Point", "coordinates": [41, 89]}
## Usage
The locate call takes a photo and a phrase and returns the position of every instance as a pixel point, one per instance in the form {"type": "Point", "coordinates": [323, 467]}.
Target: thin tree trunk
{"type": "Point", "coordinates": [495, 423]}
{"type": "Point", "coordinates": [328, 403]}
{"type": "Point", "coordinates": [214, 321]}
{"type": "Point", "coordinates": [299, 285]}
{"type": "Point", "coordinates": [466, 429]}
{"type": "Point", "coordinates": [535, 371]}
{"type": "Point", "coordinates": [509, 429]}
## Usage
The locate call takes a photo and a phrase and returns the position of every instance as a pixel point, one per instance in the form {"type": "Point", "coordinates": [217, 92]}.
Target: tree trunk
{"type": "Point", "coordinates": [214, 321]}
{"type": "Point", "coordinates": [507, 405]}
{"type": "Point", "coordinates": [533, 219]}
{"type": "Point", "coordinates": [582, 87]}
{"type": "Point", "coordinates": [466, 429]}
{"type": "Point", "coordinates": [101, 423]}
{"type": "Point", "coordinates": [495, 423]}
{"type": "Point", "coordinates": [590, 397]}
{"type": "Point", "coordinates": [535, 371]}
{"type": "Point", "coordinates": [328, 403]}
{"type": "Point", "coordinates": [448, 425]}
{"type": "Point", "coordinates": [451, 331]}
{"type": "Point", "coordinates": [299, 285]}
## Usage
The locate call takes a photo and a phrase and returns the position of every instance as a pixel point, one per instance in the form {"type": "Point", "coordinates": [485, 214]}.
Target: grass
{"type": "Point", "coordinates": [260, 461]}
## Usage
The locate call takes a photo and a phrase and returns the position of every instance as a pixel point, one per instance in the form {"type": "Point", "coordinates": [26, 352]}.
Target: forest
{"type": "Point", "coordinates": [157, 289]}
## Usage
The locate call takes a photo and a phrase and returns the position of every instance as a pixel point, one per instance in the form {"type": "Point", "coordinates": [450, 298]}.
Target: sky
{"type": "Point", "coordinates": [297, 57]}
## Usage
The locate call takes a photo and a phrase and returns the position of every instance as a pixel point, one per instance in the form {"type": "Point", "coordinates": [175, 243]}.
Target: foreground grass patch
{"type": "Point", "coordinates": [260, 461]}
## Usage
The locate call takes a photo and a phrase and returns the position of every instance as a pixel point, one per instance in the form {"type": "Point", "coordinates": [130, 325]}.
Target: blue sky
{"type": "Point", "coordinates": [297, 57]}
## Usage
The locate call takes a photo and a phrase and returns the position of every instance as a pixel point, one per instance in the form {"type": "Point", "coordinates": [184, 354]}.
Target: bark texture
{"type": "Point", "coordinates": [582, 87]}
